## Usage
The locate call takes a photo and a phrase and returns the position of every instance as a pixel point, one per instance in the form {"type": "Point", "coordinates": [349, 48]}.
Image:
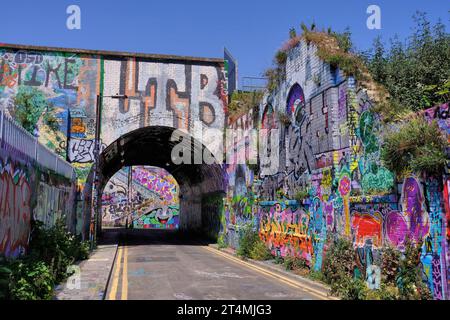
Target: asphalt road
{"type": "Point", "coordinates": [167, 266]}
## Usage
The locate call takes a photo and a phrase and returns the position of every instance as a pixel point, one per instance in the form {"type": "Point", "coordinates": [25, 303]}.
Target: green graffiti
{"type": "Point", "coordinates": [366, 133]}
{"type": "Point", "coordinates": [375, 178]}
{"type": "Point", "coordinates": [379, 182]}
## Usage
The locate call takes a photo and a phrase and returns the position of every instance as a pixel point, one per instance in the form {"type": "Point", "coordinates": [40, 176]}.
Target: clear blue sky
{"type": "Point", "coordinates": [251, 30]}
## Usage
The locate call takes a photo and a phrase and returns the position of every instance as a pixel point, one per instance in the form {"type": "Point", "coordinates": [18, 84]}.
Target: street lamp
{"type": "Point", "coordinates": [98, 117]}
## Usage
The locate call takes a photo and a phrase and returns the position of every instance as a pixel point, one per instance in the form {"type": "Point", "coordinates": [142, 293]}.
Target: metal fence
{"type": "Point", "coordinates": [14, 135]}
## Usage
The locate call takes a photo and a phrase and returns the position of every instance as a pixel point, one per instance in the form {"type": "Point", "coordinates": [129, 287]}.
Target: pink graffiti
{"type": "Point", "coordinates": [157, 182]}
{"type": "Point", "coordinates": [413, 221]}
{"type": "Point", "coordinates": [344, 186]}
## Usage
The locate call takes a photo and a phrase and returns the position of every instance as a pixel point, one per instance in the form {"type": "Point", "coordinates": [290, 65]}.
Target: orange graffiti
{"type": "Point", "coordinates": [8, 77]}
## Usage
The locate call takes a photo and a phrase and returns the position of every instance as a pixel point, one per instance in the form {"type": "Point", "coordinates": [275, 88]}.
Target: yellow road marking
{"type": "Point", "coordinates": [125, 275]}
{"type": "Point", "coordinates": [115, 282]}
{"type": "Point", "coordinates": [281, 278]}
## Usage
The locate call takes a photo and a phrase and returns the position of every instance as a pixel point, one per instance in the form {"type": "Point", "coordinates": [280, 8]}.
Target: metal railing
{"type": "Point", "coordinates": [15, 136]}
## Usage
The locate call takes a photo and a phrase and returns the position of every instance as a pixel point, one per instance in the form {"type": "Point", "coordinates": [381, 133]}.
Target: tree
{"type": "Point", "coordinates": [416, 72]}
{"type": "Point", "coordinates": [30, 103]}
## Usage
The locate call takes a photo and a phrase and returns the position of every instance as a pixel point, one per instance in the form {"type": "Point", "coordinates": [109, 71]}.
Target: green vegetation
{"type": "Point", "coordinates": [409, 276]}
{"type": "Point", "coordinates": [221, 243]}
{"type": "Point", "coordinates": [31, 280]}
{"type": "Point", "coordinates": [284, 118]}
{"type": "Point", "coordinates": [51, 252]}
{"type": "Point", "coordinates": [338, 263]}
{"type": "Point", "coordinates": [301, 195]}
{"type": "Point", "coordinates": [296, 263]}
{"type": "Point", "coordinates": [242, 101]}
{"type": "Point", "coordinates": [416, 73]}
{"type": "Point", "coordinates": [30, 105]}
{"type": "Point", "coordinates": [251, 246]}
{"type": "Point", "coordinates": [401, 279]}
{"type": "Point", "coordinates": [415, 146]}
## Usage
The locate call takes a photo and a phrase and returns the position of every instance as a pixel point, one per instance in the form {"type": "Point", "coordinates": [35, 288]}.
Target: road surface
{"type": "Point", "coordinates": [166, 266]}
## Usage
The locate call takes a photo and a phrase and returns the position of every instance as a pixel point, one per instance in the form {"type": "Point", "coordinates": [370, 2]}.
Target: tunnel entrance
{"type": "Point", "coordinates": [198, 182]}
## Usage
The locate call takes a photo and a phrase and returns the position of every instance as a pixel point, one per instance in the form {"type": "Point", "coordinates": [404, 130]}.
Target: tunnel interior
{"type": "Point", "coordinates": [199, 181]}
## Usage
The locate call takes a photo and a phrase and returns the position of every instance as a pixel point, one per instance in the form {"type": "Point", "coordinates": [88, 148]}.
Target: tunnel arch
{"type": "Point", "coordinates": [152, 146]}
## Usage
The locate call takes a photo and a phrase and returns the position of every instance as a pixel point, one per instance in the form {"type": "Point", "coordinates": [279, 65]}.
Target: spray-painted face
{"type": "Point", "coordinates": [164, 214]}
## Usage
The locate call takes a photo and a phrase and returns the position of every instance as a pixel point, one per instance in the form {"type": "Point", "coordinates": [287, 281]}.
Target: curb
{"type": "Point", "coordinates": [110, 273]}
{"type": "Point", "coordinates": [320, 288]}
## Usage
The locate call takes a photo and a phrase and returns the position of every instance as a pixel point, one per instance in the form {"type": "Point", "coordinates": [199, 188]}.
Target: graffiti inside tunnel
{"type": "Point", "coordinates": [147, 197]}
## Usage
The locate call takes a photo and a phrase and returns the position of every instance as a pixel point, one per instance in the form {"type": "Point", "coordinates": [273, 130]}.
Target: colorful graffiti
{"type": "Point", "coordinates": [166, 217]}
{"type": "Point", "coordinates": [286, 230]}
{"type": "Point", "coordinates": [154, 202]}
{"type": "Point", "coordinates": [15, 208]}
{"type": "Point", "coordinates": [331, 161]}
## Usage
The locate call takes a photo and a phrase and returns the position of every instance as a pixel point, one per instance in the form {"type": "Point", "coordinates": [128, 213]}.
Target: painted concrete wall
{"type": "Point", "coordinates": [330, 150]}
{"type": "Point", "coordinates": [29, 192]}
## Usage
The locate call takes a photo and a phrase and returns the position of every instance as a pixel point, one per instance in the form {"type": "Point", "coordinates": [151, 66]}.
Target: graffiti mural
{"type": "Point", "coordinates": [172, 94]}
{"type": "Point", "coordinates": [330, 181]}
{"type": "Point", "coordinates": [154, 202]}
{"type": "Point", "coordinates": [15, 208]}
{"type": "Point", "coordinates": [66, 80]}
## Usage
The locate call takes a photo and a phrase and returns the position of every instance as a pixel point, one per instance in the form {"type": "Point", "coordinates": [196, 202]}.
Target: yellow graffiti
{"type": "Point", "coordinates": [347, 216]}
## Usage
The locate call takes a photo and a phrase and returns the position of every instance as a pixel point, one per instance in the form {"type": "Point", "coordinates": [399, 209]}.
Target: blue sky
{"type": "Point", "coordinates": [251, 30]}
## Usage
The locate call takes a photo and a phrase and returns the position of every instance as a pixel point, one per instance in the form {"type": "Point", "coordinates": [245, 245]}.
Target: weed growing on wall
{"type": "Point", "coordinates": [301, 195]}
{"type": "Point", "coordinates": [414, 146]}
{"type": "Point", "coordinates": [241, 102]}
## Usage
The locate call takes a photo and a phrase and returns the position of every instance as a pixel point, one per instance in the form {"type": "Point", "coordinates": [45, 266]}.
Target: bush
{"type": "Point", "coordinates": [339, 261]}
{"type": "Point", "coordinates": [251, 246]}
{"type": "Point", "coordinates": [221, 243]}
{"type": "Point", "coordinates": [260, 251]}
{"type": "Point", "coordinates": [5, 279]}
{"type": "Point", "coordinates": [278, 260]}
{"type": "Point", "coordinates": [31, 280]}
{"type": "Point", "coordinates": [51, 251]}
{"type": "Point", "coordinates": [295, 263]}
{"type": "Point", "coordinates": [390, 260]}
{"type": "Point", "coordinates": [416, 146]}
{"type": "Point", "coordinates": [409, 277]}
{"type": "Point", "coordinates": [349, 288]}
{"type": "Point", "coordinates": [56, 247]}
{"type": "Point", "coordinates": [316, 275]}
{"type": "Point", "coordinates": [385, 292]}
